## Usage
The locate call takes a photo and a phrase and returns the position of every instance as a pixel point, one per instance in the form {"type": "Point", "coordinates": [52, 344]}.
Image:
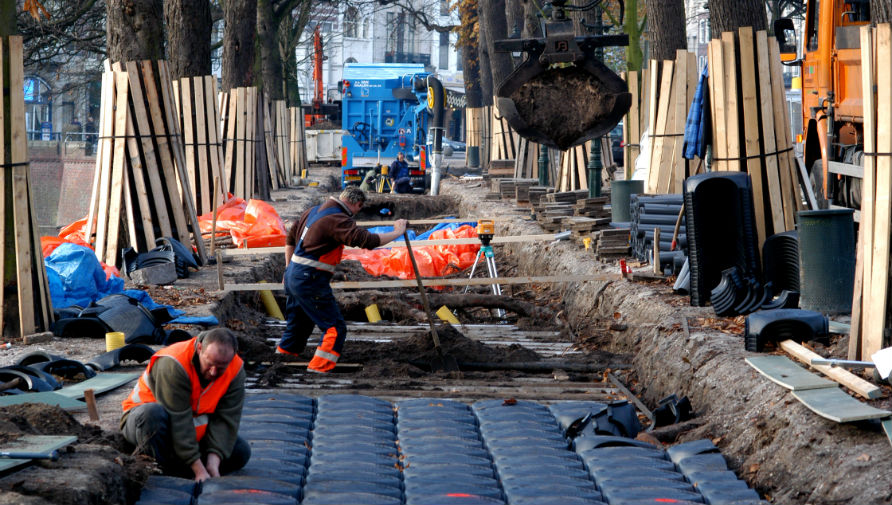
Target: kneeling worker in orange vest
{"type": "Point", "coordinates": [312, 249]}
{"type": "Point", "coordinates": [186, 407]}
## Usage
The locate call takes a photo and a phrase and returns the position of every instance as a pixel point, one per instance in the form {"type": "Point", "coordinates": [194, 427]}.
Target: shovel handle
{"type": "Point", "coordinates": [422, 292]}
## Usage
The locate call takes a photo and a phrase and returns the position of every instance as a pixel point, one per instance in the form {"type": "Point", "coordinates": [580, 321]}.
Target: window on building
{"type": "Point", "coordinates": [350, 22]}
{"type": "Point", "coordinates": [458, 61]}
{"type": "Point", "coordinates": [365, 28]}
{"type": "Point", "coordinates": [444, 50]}
{"type": "Point", "coordinates": [326, 27]}
{"type": "Point", "coordinates": [701, 32]}
{"type": "Point", "coordinates": [444, 7]}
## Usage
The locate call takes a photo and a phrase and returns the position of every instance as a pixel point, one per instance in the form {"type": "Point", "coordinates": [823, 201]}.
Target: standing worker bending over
{"type": "Point", "coordinates": [186, 407]}
{"type": "Point", "coordinates": [399, 172]}
{"type": "Point", "coordinates": [312, 250]}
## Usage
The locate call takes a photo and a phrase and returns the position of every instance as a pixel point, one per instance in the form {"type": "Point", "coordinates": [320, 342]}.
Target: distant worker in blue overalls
{"type": "Point", "coordinates": [312, 250]}
{"type": "Point", "coordinates": [399, 174]}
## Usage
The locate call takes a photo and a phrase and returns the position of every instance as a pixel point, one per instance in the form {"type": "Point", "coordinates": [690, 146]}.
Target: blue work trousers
{"type": "Point", "coordinates": [310, 302]}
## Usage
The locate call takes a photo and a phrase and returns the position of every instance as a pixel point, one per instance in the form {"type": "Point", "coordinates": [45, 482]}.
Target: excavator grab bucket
{"type": "Point", "coordinates": [562, 95]}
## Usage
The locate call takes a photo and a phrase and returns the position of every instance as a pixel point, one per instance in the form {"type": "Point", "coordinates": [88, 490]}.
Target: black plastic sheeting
{"type": "Point", "coordinates": [351, 449]}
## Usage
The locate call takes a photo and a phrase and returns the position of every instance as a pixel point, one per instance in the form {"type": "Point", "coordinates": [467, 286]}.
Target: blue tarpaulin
{"type": "Point", "coordinates": [696, 128]}
{"type": "Point", "coordinates": [76, 277]}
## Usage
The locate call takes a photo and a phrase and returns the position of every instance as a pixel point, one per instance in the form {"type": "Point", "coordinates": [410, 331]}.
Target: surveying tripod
{"type": "Point", "coordinates": [384, 180]}
{"type": "Point", "coordinates": [485, 232]}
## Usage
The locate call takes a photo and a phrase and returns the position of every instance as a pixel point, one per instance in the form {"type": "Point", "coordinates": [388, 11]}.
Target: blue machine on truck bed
{"type": "Point", "coordinates": [386, 110]}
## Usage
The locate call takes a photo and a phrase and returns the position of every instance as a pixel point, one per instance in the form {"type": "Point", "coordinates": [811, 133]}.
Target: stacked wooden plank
{"type": "Point", "coordinates": [669, 101]}
{"type": "Point", "coordinates": [140, 185]}
{"type": "Point", "coordinates": [473, 130]}
{"type": "Point", "coordinates": [573, 172]}
{"type": "Point", "coordinates": [632, 124]}
{"type": "Point", "coordinates": [199, 120]}
{"type": "Point", "coordinates": [504, 138]}
{"type": "Point", "coordinates": [580, 226]}
{"type": "Point", "coordinates": [500, 168]}
{"type": "Point", "coordinates": [750, 125]}
{"type": "Point", "coordinates": [240, 135]}
{"type": "Point", "coordinates": [870, 304]}
{"type": "Point", "coordinates": [486, 136]}
{"type": "Point", "coordinates": [611, 243]}
{"type": "Point", "coordinates": [282, 133]}
{"type": "Point", "coordinates": [25, 296]}
{"type": "Point", "coordinates": [297, 145]}
{"type": "Point", "coordinates": [268, 156]}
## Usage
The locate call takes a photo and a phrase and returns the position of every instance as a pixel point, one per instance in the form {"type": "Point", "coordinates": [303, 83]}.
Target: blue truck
{"type": "Point", "coordinates": [388, 108]}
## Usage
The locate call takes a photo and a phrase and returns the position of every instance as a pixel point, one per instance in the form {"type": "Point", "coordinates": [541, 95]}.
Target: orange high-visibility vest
{"type": "Point", "coordinates": [204, 401]}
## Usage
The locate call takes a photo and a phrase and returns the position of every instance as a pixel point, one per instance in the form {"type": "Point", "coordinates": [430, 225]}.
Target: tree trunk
{"type": "Point", "coordinates": [729, 15]}
{"type": "Point", "coordinates": [240, 28]}
{"type": "Point", "coordinates": [880, 11]}
{"type": "Point", "coordinates": [188, 37]}
{"type": "Point", "coordinates": [271, 74]}
{"type": "Point", "coordinates": [667, 33]}
{"type": "Point", "coordinates": [134, 30]}
{"type": "Point", "coordinates": [532, 27]}
{"type": "Point", "coordinates": [494, 24]}
{"type": "Point", "coordinates": [7, 17]}
{"type": "Point", "coordinates": [632, 28]}
{"type": "Point", "coordinates": [486, 88]}
{"type": "Point", "coordinates": [470, 55]}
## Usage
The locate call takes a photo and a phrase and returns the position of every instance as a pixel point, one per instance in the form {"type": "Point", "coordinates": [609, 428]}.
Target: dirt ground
{"type": "Point", "coordinates": [783, 450]}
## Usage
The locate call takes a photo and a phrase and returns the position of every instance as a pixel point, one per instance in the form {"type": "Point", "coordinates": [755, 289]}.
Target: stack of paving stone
{"type": "Point", "coordinates": [593, 207]}
{"type": "Point", "coordinates": [362, 450]}
{"type": "Point", "coordinates": [581, 226]}
{"type": "Point", "coordinates": [569, 197]}
{"type": "Point", "coordinates": [522, 190]}
{"type": "Point", "coordinates": [551, 215]}
{"type": "Point", "coordinates": [612, 243]}
{"type": "Point", "coordinates": [536, 194]}
{"type": "Point", "coordinates": [443, 454]}
{"type": "Point", "coordinates": [650, 212]}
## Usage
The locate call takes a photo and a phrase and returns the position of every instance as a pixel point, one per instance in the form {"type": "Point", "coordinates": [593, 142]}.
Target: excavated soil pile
{"type": "Point", "coordinates": [95, 470]}
{"type": "Point", "coordinates": [563, 104]}
{"type": "Point", "coordinates": [406, 207]}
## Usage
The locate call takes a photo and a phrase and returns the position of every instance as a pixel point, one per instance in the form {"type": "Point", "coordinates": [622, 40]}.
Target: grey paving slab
{"type": "Point", "coordinates": [836, 405]}
{"type": "Point", "coordinates": [783, 371]}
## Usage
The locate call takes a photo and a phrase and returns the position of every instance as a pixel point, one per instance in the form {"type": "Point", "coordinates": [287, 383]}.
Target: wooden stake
{"type": "Point", "coordinates": [214, 223]}
{"type": "Point", "coordinates": [90, 400]}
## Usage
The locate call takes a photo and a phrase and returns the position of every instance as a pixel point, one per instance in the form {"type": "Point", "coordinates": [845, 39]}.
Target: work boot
{"type": "Point", "coordinates": [279, 350]}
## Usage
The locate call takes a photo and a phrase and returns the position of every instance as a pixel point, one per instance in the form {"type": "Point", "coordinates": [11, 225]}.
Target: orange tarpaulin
{"type": "Point", "coordinates": [433, 260]}
{"type": "Point", "coordinates": [254, 223]}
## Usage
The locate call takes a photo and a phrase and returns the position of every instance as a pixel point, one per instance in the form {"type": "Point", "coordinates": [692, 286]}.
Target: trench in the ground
{"type": "Point", "coordinates": [244, 313]}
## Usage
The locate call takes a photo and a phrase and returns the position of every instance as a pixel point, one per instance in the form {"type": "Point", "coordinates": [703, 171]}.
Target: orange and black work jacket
{"type": "Point", "coordinates": [321, 233]}
{"type": "Point", "coordinates": [209, 413]}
